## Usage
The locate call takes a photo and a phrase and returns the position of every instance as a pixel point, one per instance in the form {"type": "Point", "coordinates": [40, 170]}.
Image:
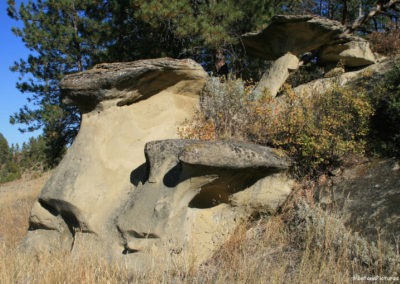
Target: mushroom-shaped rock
{"type": "Point", "coordinates": [196, 193]}
{"type": "Point", "coordinates": [296, 34]}
{"type": "Point", "coordinates": [299, 34]}
{"type": "Point", "coordinates": [129, 82]}
{"type": "Point", "coordinates": [288, 36]}
{"type": "Point", "coordinates": [124, 106]}
{"type": "Point", "coordinates": [284, 40]}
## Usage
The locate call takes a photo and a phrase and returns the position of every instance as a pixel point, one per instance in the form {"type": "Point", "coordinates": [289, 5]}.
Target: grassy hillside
{"type": "Point", "coordinates": [302, 244]}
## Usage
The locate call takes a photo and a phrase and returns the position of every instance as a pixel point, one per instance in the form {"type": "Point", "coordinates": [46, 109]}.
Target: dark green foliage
{"type": "Point", "coordinates": [4, 150]}
{"type": "Point", "coordinates": [386, 121]}
{"type": "Point", "coordinates": [181, 29]}
{"type": "Point", "coordinates": [63, 37]}
{"type": "Point", "coordinates": [31, 157]}
{"type": "Point", "coordinates": [9, 170]}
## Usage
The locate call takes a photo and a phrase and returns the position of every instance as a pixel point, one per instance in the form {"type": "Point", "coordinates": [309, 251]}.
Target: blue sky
{"type": "Point", "coordinates": [11, 100]}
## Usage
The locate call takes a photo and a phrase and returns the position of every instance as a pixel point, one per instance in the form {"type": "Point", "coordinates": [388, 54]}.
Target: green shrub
{"type": "Point", "coordinates": [385, 138]}
{"type": "Point", "coordinates": [316, 131]}
{"type": "Point", "coordinates": [9, 172]}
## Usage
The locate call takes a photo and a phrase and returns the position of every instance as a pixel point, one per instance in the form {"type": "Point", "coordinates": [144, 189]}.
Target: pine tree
{"type": "Point", "coordinates": [63, 36]}
{"type": "Point", "coordinates": [196, 28]}
{"type": "Point", "coordinates": [4, 150]}
{"type": "Point", "coordinates": [9, 170]}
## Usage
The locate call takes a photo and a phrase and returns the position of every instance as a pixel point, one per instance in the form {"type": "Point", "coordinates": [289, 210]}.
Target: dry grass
{"type": "Point", "coordinates": [301, 245]}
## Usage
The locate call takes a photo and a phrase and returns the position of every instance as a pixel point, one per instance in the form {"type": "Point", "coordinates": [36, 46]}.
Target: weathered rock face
{"type": "Point", "coordinates": [91, 183]}
{"type": "Point", "coordinates": [367, 195]}
{"type": "Point", "coordinates": [299, 34]}
{"type": "Point", "coordinates": [290, 36]}
{"type": "Point", "coordinates": [195, 195]}
{"type": "Point", "coordinates": [129, 82]}
{"type": "Point", "coordinates": [354, 53]}
{"type": "Point", "coordinates": [177, 199]}
{"type": "Point", "coordinates": [296, 34]}
{"type": "Point", "coordinates": [274, 78]}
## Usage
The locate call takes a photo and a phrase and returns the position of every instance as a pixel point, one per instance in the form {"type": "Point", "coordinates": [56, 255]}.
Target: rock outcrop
{"type": "Point", "coordinates": [296, 34]}
{"type": "Point", "coordinates": [178, 199]}
{"type": "Point", "coordinates": [367, 195]}
{"type": "Point", "coordinates": [290, 36]}
{"type": "Point", "coordinates": [128, 82]}
{"type": "Point", "coordinates": [354, 79]}
{"type": "Point", "coordinates": [350, 51]}
{"type": "Point", "coordinates": [276, 75]}
{"type": "Point", "coordinates": [124, 105]}
{"type": "Point", "coordinates": [299, 34]}
{"type": "Point", "coordinates": [195, 195]}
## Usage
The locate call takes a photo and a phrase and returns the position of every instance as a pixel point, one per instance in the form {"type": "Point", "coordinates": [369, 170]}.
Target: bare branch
{"type": "Point", "coordinates": [380, 8]}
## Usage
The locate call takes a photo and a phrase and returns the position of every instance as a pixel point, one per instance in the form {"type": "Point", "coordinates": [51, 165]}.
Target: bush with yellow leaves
{"type": "Point", "coordinates": [316, 130]}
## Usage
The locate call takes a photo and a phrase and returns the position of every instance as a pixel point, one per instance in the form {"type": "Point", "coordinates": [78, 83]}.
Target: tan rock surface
{"type": "Point", "coordinates": [276, 75]}
{"type": "Point", "coordinates": [196, 195]}
{"type": "Point", "coordinates": [93, 180]}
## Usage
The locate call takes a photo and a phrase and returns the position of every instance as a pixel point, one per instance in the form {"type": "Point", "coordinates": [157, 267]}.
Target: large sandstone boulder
{"type": "Point", "coordinates": [124, 105]}
{"type": "Point", "coordinates": [195, 194]}
{"type": "Point", "coordinates": [177, 198]}
{"type": "Point", "coordinates": [129, 82]}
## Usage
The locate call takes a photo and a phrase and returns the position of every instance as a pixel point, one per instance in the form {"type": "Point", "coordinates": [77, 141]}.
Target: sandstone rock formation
{"type": "Point", "coordinates": [299, 34]}
{"type": "Point", "coordinates": [353, 53]}
{"type": "Point", "coordinates": [296, 34]}
{"type": "Point", "coordinates": [179, 198]}
{"type": "Point", "coordinates": [124, 105]}
{"type": "Point", "coordinates": [276, 75]}
{"type": "Point", "coordinates": [196, 193]}
{"type": "Point", "coordinates": [354, 78]}
{"type": "Point", "coordinates": [128, 82]}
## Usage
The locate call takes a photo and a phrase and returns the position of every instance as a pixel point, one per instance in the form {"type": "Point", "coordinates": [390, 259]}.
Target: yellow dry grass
{"type": "Point", "coordinates": [265, 250]}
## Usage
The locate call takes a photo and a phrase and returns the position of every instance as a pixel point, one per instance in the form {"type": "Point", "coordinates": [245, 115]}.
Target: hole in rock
{"type": "Point", "coordinates": [230, 181]}
{"type": "Point", "coordinates": [129, 251]}
{"type": "Point", "coordinates": [209, 197]}
{"type": "Point", "coordinates": [71, 221]}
